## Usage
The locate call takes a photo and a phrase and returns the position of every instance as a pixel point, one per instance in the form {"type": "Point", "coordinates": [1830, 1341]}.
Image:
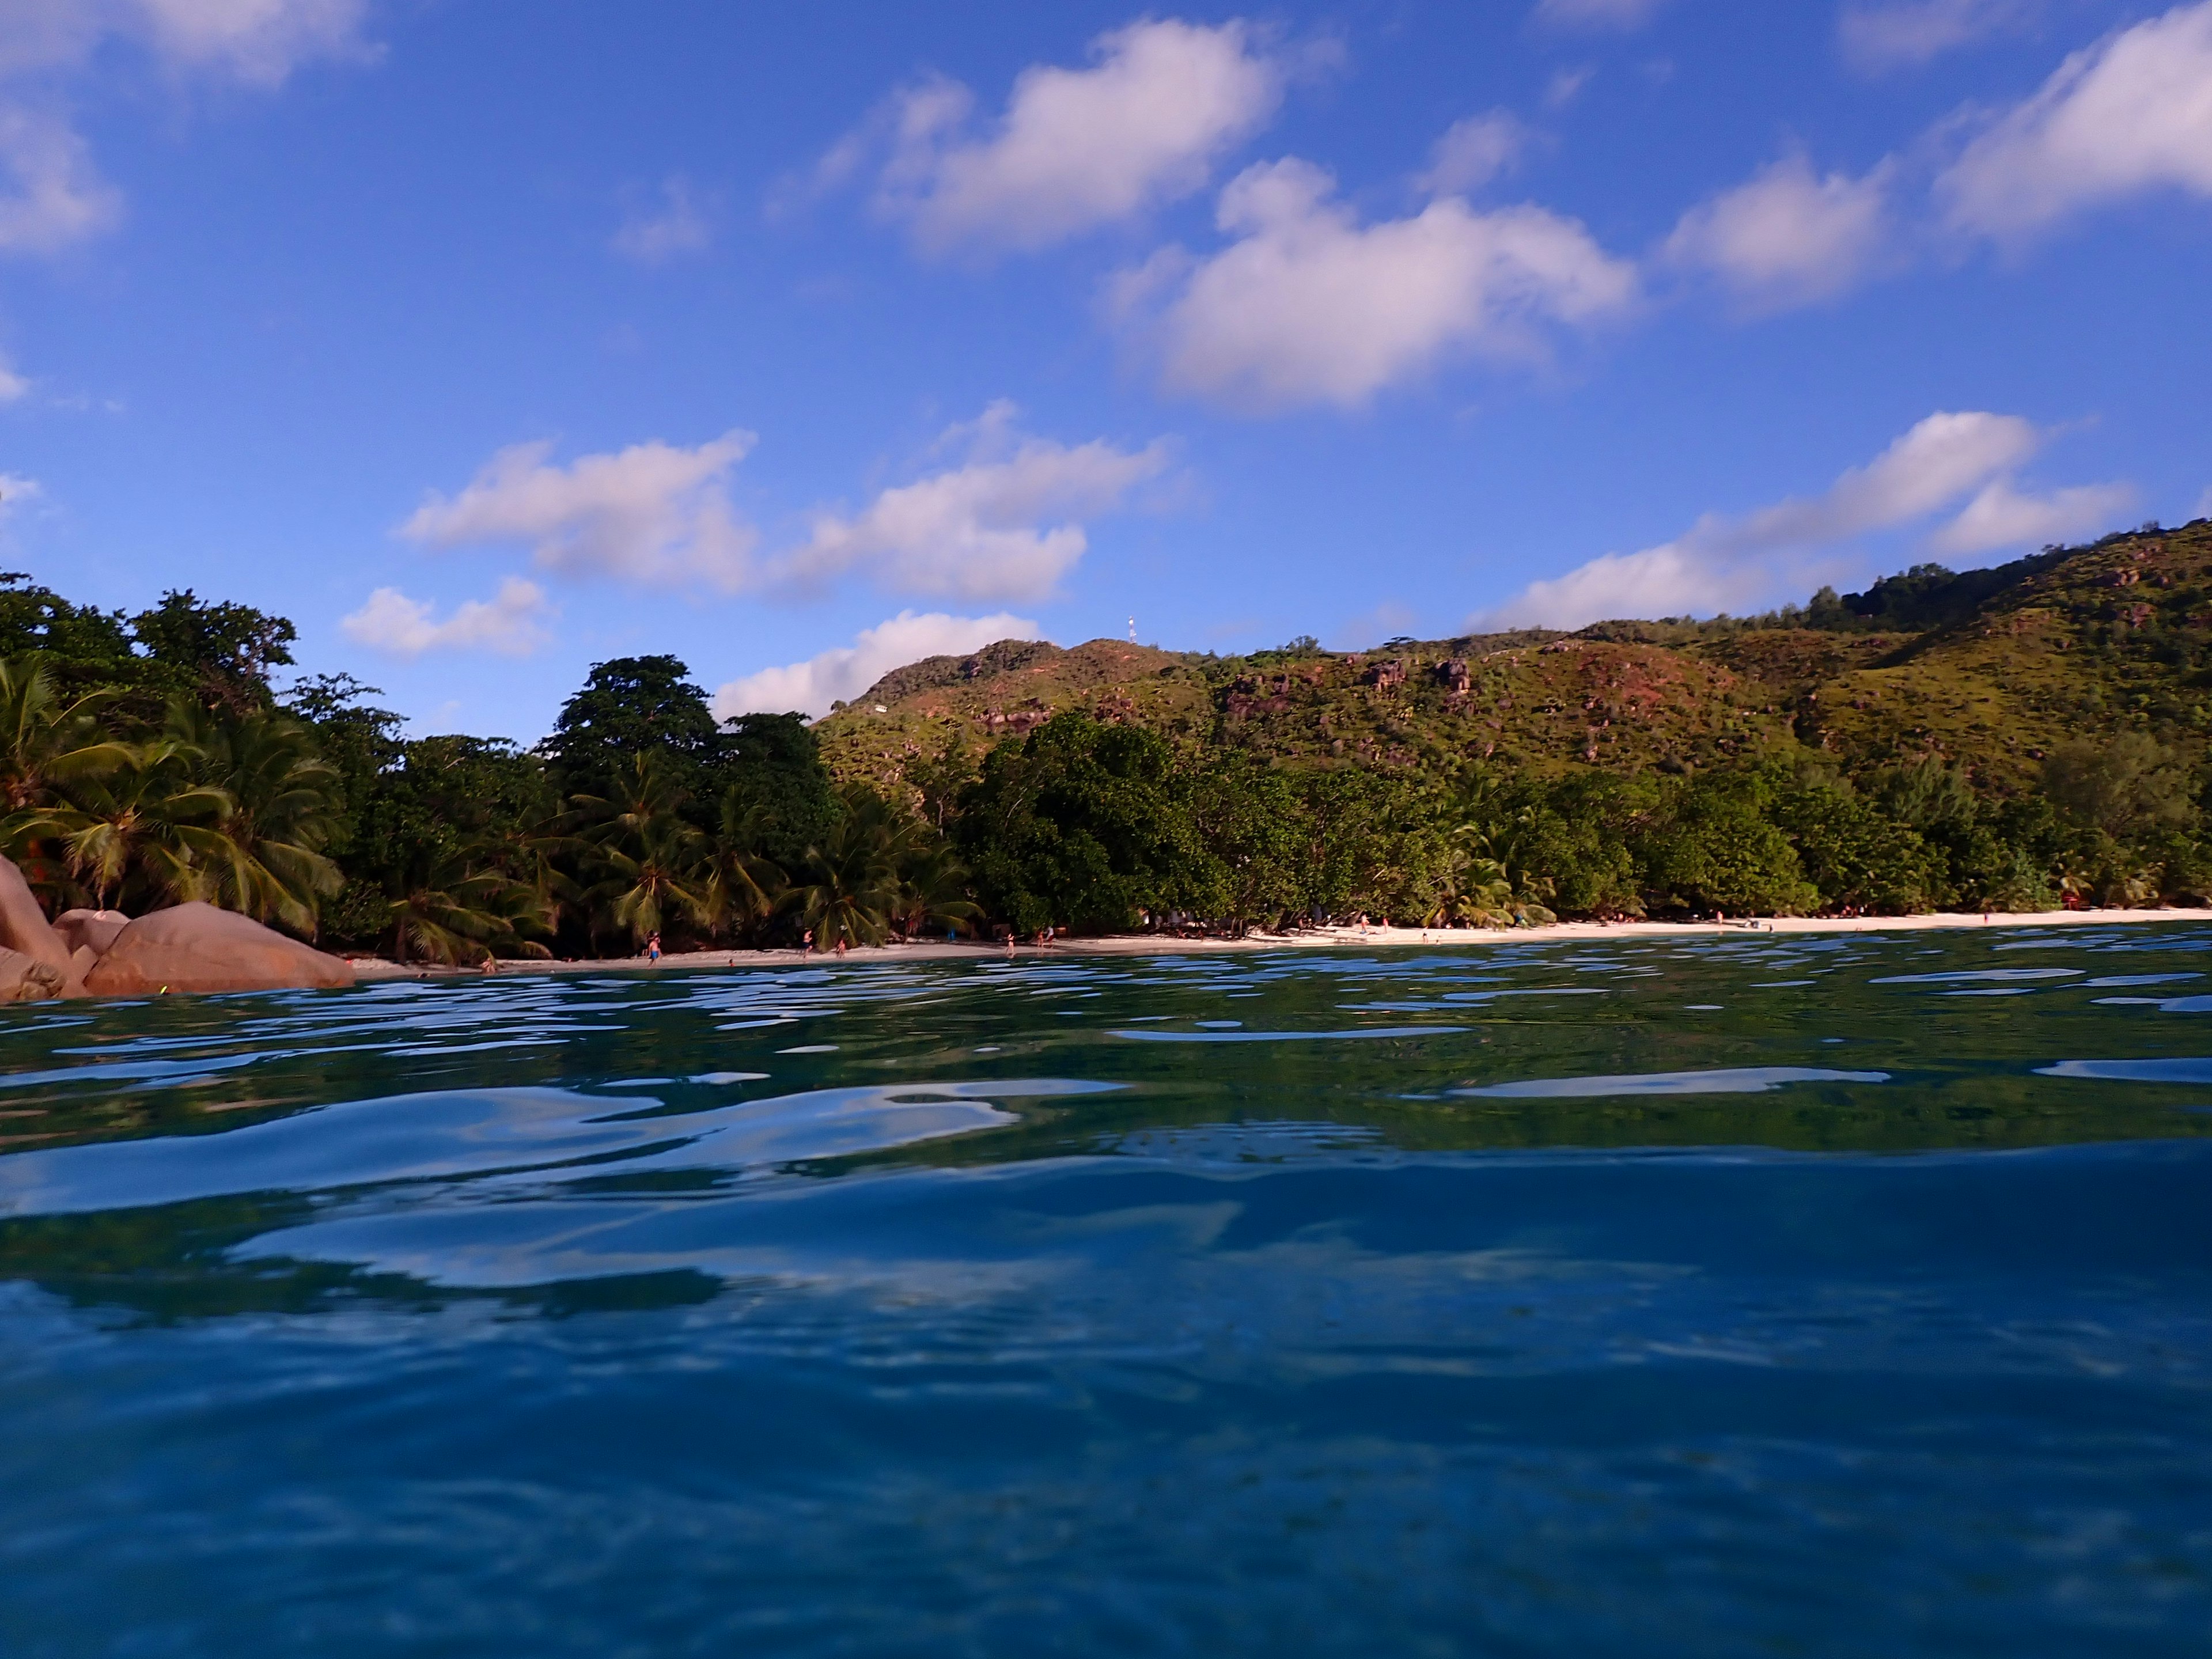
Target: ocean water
{"type": "Point", "coordinates": [1742, 1296]}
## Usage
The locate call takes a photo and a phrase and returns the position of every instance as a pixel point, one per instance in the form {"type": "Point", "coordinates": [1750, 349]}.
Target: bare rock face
{"type": "Point", "coordinates": [26, 979]}
{"type": "Point", "coordinates": [196, 948]}
{"type": "Point", "coordinates": [24, 929]}
{"type": "Point", "coordinates": [94, 928]}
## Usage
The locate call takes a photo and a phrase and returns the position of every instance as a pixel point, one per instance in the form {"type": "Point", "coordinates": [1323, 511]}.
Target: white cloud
{"type": "Point", "coordinates": [513, 623]}
{"type": "Point", "coordinates": [1788, 236]}
{"type": "Point", "coordinates": [1905, 34]}
{"type": "Point", "coordinates": [56, 198]}
{"type": "Point", "coordinates": [841, 674]}
{"type": "Point", "coordinates": [1076, 148]}
{"type": "Point", "coordinates": [677, 223]}
{"type": "Point", "coordinates": [12, 385]}
{"type": "Point", "coordinates": [1597, 14]}
{"type": "Point", "coordinates": [260, 41]}
{"type": "Point", "coordinates": [2002, 516]}
{"type": "Point", "coordinates": [654, 512]}
{"type": "Point", "coordinates": [1309, 305]}
{"type": "Point", "coordinates": [981, 529]}
{"type": "Point", "coordinates": [2203, 506]}
{"type": "Point", "coordinates": [1722, 564]}
{"type": "Point", "coordinates": [1474, 151]}
{"type": "Point", "coordinates": [1566, 85]}
{"type": "Point", "coordinates": [2130, 115]}
{"type": "Point", "coordinates": [14, 490]}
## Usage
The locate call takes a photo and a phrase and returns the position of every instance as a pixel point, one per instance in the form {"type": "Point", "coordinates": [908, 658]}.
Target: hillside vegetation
{"type": "Point", "coordinates": [2010, 738]}
{"type": "Point", "coordinates": [1991, 669]}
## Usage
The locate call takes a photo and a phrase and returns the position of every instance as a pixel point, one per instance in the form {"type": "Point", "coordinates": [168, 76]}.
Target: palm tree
{"type": "Point", "coordinates": [284, 806]}
{"type": "Point", "coordinates": [652, 863]}
{"type": "Point", "coordinates": [743, 884]}
{"type": "Point", "coordinates": [45, 742]}
{"type": "Point", "coordinates": [932, 888]}
{"type": "Point", "coordinates": [849, 884]}
{"type": "Point", "coordinates": [452, 904]}
{"type": "Point", "coordinates": [145, 829]}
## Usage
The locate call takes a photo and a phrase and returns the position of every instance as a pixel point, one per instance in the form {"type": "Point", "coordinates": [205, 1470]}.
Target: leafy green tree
{"type": "Point", "coordinates": [1079, 825]}
{"type": "Point", "coordinates": [1858, 857]}
{"type": "Point", "coordinates": [1244, 824]}
{"type": "Point", "coordinates": [2128, 785]}
{"type": "Point", "coordinates": [772, 766]}
{"type": "Point", "coordinates": [218, 655]}
{"type": "Point", "coordinates": [1711, 847]}
{"type": "Point", "coordinates": [628, 708]}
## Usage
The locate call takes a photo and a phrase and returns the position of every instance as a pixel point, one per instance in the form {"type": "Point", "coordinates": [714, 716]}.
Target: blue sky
{"type": "Point", "coordinates": [487, 342]}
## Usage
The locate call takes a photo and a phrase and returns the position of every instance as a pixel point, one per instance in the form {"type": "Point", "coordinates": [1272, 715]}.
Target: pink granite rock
{"type": "Point", "coordinates": [196, 948]}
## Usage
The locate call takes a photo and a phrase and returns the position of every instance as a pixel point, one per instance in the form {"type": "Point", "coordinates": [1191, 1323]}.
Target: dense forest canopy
{"type": "Point", "coordinates": [2011, 739]}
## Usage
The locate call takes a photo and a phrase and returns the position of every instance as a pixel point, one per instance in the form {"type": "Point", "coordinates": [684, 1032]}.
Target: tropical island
{"type": "Point", "coordinates": [2018, 738]}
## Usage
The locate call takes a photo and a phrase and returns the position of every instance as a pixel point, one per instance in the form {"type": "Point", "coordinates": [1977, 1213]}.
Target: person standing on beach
{"type": "Point", "coordinates": [652, 950]}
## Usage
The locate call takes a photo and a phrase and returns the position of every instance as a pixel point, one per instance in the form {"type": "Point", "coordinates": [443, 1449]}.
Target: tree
{"type": "Point", "coordinates": [48, 738]}
{"type": "Point", "coordinates": [846, 888]}
{"type": "Point", "coordinates": [1080, 825]}
{"type": "Point", "coordinates": [772, 766]}
{"type": "Point", "coordinates": [284, 803]}
{"type": "Point", "coordinates": [2127, 786]}
{"type": "Point", "coordinates": [1711, 847]}
{"type": "Point", "coordinates": [630, 707]}
{"type": "Point", "coordinates": [219, 655]}
{"type": "Point", "coordinates": [650, 862]}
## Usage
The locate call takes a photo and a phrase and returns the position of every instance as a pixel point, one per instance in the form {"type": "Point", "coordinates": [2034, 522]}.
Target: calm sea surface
{"type": "Point", "coordinates": [1817, 1296]}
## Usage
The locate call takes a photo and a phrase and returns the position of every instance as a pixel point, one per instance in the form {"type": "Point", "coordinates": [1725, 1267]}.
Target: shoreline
{"type": "Point", "coordinates": [370, 969]}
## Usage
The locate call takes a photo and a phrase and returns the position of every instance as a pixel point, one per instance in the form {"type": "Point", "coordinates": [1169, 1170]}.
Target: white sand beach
{"type": "Point", "coordinates": [1330, 938]}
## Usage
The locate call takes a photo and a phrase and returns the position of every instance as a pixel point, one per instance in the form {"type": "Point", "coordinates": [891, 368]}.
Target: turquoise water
{"type": "Point", "coordinates": [1818, 1295]}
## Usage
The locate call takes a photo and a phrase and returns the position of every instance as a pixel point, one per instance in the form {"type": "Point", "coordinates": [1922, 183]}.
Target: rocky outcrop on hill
{"type": "Point", "coordinates": [197, 948]}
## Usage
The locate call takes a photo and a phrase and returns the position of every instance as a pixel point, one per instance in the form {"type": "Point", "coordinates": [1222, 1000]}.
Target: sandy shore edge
{"type": "Point", "coordinates": [1325, 939]}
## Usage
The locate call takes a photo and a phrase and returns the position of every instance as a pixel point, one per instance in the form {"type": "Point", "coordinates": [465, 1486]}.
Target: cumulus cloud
{"type": "Point", "coordinates": [2124, 117]}
{"type": "Point", "coordinates": [512, 623]}
{"type": "Point", "coordinates": [984, 529]}
{"type": "Point", "coordinates": [675, 222]}
{"type": "Point", "coordinates": [1474, 151]}
{"type": "Point", "coordinates": [53, 196]}
{"type": "Point", "coordinates": [1075, 149]}
{"type": "Point", "coordinates": [654, 512]}
{"type": "Point", "coordinates": [1905, 33]}
{"type": "Point", "coordinates": [2003, 515]}
{"type": "Point", "coordinates": [841, 674]}
{"type": "Point", "coordinates": [50, 194]}
{"type": "Point", "coordinates": [1597, 14]}
{"type": "Point", "coordinates": [1788, 236]}
{"type": "Point", "coordinates": [1723, 563]}
{"type": "Point", "coordinates": [14, 490]}
{"type": "Point", "coordinates": [259, 41]}
{"type": "Point", "coordinates": [1309, 305]}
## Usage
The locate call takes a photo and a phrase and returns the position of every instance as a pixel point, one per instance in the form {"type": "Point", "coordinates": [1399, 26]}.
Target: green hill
{"type": "Point", "coordinates": [1987, 669]}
